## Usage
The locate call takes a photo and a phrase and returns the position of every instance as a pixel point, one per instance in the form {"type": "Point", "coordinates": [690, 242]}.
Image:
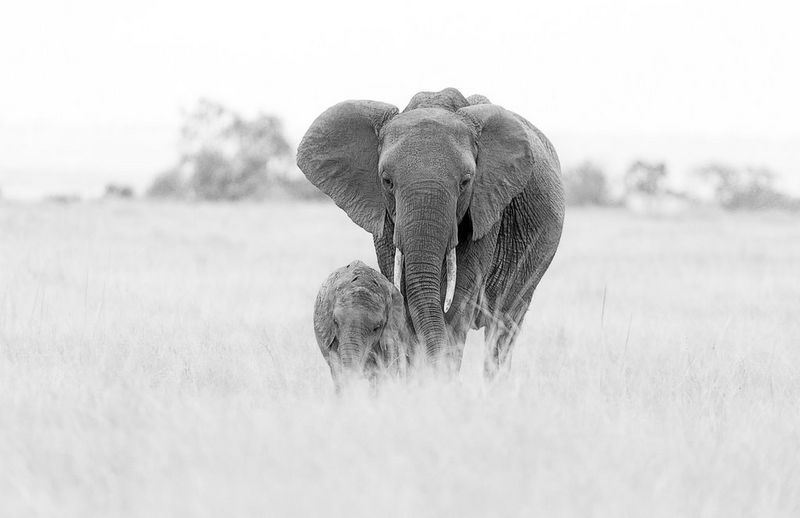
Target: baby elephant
{"type": "Point", "coordinates": [360, 324]}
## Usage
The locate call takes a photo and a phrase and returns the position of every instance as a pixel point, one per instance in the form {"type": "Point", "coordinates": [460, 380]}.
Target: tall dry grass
{"type": "Point", "coordinates": [158, 360]}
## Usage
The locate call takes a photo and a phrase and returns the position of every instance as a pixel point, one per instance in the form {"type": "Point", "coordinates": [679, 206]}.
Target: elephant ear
{"type": "Point", "coordinates": [339, 155]}
{"type": "Point", "coordinates": [323, 313]}
{"type": "Point", "coordinates": [504, 163]}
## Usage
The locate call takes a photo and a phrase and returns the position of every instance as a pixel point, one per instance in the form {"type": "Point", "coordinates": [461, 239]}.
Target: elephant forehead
{"type": "Point", "coordinates": [359, 301]}
{"type": "Point", "coordinates": [429, 135]}
{"type": "Point", "coordinates": [427, 123]}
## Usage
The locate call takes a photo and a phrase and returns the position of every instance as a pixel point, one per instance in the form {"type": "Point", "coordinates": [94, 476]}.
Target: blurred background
{"type": "Point", "coordinates": [654, 105]}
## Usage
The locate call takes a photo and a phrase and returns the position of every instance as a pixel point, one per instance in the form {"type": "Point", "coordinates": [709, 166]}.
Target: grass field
{"type": "Point", "coordinates": [158, 360]}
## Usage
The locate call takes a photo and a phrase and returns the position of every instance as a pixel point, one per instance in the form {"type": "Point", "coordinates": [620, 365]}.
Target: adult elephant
{"type": "Point", "coordinates": [464, 200]}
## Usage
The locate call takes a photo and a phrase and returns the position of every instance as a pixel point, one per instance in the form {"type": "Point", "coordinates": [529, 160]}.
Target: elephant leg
{"type": "Point", "coordinates": [500, 334]}
{"type": "Point", "coordinates": [526, 246]}
{"type": "Point", "coordinates": [474, 259]}
{"type": "Point", "coordinates": [457, 334]}
{"type": "Point", "coordinates": [503, 315]}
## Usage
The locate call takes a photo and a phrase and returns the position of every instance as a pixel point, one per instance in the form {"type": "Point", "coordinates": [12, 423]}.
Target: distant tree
{"type": "Point", "coordinates": [214, 177]}
{"type": "Point", "coordinates": [586, 184]}
{"type": "Point", "coordinates": [748, 188]}
{"type": "Point", "coordinates": [224, 156]}
{"type": "Point", "coordinates": [725, 181]}
{"type": "Point", "coordinates": [118, 191]}
{"type": "Point", "coordinates": [646, 178]}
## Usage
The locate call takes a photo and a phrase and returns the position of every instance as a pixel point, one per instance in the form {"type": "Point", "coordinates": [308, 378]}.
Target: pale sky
{"type": "Point", "coordinates": [95, 87]}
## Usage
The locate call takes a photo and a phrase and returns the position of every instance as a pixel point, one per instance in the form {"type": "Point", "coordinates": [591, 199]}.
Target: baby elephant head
{"type": "Point", "coordinates": [360, 324]}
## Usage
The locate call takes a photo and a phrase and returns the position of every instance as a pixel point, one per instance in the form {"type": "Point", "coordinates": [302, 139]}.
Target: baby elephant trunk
{"type": "Point", "coordinates": [350, 355]}
{"type": "Point", "coordinates": [355, 346]}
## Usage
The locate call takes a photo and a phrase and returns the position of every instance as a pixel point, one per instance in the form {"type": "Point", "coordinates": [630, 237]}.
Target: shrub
{"type": "Point", "coordinates": [646, 178]}
{"type": "Point", "coordinates": [586, 184]}
{"type": "Point", "coordinates": [748, 188]}
{"type": "Point", "coordinates": [118, 191]}
{"type": "Point", "coordinates": [64, 199]}
{"type": "Point", "coordinates": [169, 184]}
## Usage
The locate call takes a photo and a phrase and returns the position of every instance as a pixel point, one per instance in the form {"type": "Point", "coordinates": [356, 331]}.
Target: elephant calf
{"type": "Point", "coordinates": [360, 324]}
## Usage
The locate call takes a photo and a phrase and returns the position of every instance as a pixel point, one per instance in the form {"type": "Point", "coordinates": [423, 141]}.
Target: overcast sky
{"type": "Point", "coordinates": [98, 85]}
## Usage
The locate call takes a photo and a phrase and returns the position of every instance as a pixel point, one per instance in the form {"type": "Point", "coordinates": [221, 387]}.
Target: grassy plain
{"type": "Point", "coordinates": [158, 360]}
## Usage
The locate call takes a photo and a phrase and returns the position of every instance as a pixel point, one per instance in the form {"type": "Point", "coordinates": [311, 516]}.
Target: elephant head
{"type": "Point", "coordinates": [444, 168]}
{"type": "Point", "coordinates": [360, 324]}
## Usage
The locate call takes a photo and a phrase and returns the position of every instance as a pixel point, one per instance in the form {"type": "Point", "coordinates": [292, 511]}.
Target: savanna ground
{"type": "Point", "coordinates": [158, 360]}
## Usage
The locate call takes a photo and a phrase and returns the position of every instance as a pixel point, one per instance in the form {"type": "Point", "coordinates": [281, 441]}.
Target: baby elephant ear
{"type": "Point", "coordinates": [323, 313]}
{"type": "Point", "coordinates": [339, 155]}
{"type": "Point", "coordinates": [504, 164]}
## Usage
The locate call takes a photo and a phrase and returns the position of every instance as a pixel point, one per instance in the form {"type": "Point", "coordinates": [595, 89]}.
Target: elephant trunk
{"type": "Point", "coordinates": [349, 355]}
{"type": "Point", "coordinates": [349, 370]}
{"type": "Point", "coordinates": [423, 284]}
{"type": "Point", "coordinates": [351, 351]}
{"type": "Point", "coordinates": [425, 232]}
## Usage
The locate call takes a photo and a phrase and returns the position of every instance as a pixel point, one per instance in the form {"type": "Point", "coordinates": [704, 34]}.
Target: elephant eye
{"type": "Point", "coordinates": [377, 328]}
{"type": "Point", "coordinates": [387, 183]}
{"type": "Point", "coordinates": [465, 182]}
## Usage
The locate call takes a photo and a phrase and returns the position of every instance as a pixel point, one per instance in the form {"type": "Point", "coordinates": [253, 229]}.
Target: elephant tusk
{"type": "Point", "coordinates": [451, 279]}
{"type": "Point", "coordinates": [398, 268]}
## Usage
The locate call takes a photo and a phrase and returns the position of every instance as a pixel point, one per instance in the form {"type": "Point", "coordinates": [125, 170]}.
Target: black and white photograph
{"type": "Point", "coordinates": [400, 259]}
